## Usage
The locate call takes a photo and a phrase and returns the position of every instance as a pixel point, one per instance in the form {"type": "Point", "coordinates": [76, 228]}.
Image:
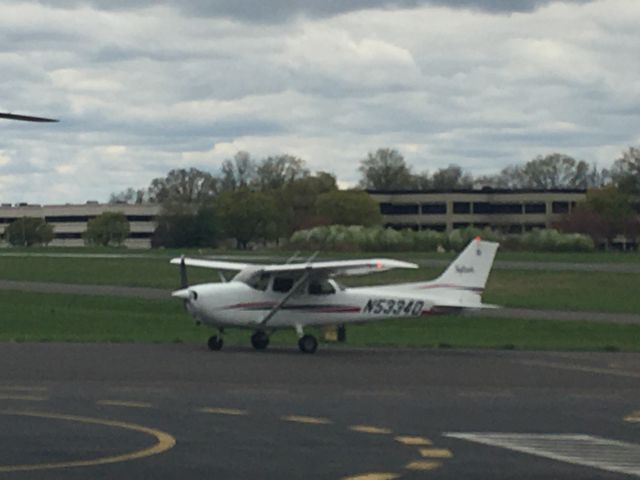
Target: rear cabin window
{"type": "Point", "coordinates": [282, 284]}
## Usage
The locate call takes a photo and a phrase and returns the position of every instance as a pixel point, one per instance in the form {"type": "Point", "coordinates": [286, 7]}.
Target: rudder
{"type": "Point", "coordinates": [470, 270]}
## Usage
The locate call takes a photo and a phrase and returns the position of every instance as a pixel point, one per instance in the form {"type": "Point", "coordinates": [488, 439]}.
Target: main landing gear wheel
{"type": "Point", "coordinates": [215, 343]}
{"type": "Point", "coordinates": [308, 344]}
{"type": "Point", "coordinates": [260, 340]}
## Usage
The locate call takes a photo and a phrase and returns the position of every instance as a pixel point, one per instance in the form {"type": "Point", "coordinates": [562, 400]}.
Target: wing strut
{"type": "Point", "coordinates": [284, 300]}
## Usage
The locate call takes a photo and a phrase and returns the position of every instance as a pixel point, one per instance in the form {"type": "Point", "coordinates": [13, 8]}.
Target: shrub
{"type": "Point", "coordinates": [378, 239]}
{"type": "Point", "coordinates": [27, 231]}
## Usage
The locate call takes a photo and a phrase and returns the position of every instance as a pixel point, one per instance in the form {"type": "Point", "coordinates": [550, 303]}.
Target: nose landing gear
{"type": "Point", "coordinates": [216, 342]}
{"type": "Point", "coordinates": [306, 343]}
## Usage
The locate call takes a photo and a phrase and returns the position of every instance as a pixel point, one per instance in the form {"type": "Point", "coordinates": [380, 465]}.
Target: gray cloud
{"type": "Point", "coordinates": [282, 10]}
{"type": "Point", "coordinates": [142, 88]}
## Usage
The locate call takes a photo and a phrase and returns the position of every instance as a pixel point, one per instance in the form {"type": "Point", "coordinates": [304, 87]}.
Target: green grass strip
{"type": "Point", "coordinates": [69, 318]}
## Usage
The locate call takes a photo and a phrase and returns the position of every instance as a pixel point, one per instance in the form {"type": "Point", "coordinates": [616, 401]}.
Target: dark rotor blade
{"type": "Point", "coordinates": [26, 118]}
{"type": "Point", "coordinates": [184, 282]}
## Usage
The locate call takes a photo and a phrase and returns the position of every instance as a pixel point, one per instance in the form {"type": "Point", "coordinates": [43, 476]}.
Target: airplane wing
{"type": "Point", "coordinates": [341, 267]}
{"type": "Point", "coordinates": [337, 267]}
{"type": "Point", "coordinates": [216, 264]}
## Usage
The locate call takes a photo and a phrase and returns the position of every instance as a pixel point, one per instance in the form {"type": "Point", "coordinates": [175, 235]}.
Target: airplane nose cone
{"type": "Point", "coordinates": [183, 294]}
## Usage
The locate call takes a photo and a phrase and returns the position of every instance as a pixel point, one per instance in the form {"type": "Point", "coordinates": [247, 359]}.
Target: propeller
{"type": "Point", "coordinates": [184, 282]}
{"type": "Point", "coordinates": [184, 293]}
{"type": "Point", "coordinates": [26, 118]}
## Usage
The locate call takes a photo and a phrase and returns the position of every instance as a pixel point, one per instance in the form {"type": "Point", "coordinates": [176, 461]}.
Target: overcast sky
{"type": "Point", "coordinates": [143, 86]}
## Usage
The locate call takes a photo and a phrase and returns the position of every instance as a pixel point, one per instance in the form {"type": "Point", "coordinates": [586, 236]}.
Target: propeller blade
{"type": "Point", "coordinates": [184, 282]}
{"type": "Point", "coordinates": [26, 118]}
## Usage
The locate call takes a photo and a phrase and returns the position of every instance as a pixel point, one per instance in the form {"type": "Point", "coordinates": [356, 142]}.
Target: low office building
{"type": "Point", "coordinates": [69, 222]}
{"type": "Point", "coordinates": [510, 211]}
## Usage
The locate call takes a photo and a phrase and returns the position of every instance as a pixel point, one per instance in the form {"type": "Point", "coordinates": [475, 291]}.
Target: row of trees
{"type": "Point", "coordinates": [607, 213]}
{"type": "Point", "coordinates": [269, 199]}
{"type": "Point", "coordinates": [386, 169]}
{"type": "Point", "coordinates": [248, 201]}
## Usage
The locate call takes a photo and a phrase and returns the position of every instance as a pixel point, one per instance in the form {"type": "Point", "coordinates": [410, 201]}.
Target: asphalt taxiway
{"type": "Point", "coordinates": [167, 411]}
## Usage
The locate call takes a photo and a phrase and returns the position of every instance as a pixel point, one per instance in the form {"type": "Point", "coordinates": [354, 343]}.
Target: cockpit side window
{"type": "Point", "coordinates": [260, 282]}
{"type": "Point", "coordinates": [321, 287]}
{"type": "Point", "coordinates": [282, 284]}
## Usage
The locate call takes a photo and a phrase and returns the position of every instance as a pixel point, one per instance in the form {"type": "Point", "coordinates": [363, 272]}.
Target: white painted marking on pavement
{"type": "Point", "coordinates": [579, 368]}
{"type": "Point", "coordinates": [585, 450]}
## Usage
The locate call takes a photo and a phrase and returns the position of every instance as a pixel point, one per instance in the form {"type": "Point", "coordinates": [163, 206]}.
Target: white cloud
{"type": "Point", "coordinates": [146, 89]}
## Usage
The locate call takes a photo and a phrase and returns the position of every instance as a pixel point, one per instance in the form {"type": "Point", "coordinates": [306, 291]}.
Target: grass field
{"type": "Point", "coordinates": [564, 290]}
{"type": "Point", "coordinates": [50, 317]}
{"type": "Point", "coordinates": [577, 257]}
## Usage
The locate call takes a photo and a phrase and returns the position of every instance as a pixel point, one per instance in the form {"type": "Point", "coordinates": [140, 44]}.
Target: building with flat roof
{"type": "Point", "coordinates": [510, 211]}
{"type": "Point", "coordinates": [69, 222]}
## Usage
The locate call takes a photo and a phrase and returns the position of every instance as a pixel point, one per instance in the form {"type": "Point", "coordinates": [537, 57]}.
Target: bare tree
{"type": "Point", "coordinates": [238, 173]}
{"type": "Point", "coordinates": [185, 187]}
{"type": "Point", "coordinates": [385, 170]}
{"type": "Point", "coordinates": [625, 172]}
{"type": "Point", "coordinates": [280, 170]}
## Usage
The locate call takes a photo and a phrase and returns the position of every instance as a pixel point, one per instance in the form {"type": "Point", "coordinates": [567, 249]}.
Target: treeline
{"type": "Point", "coordinates": [270, 199]}
{"type": "Point", "coordinates": [248, 201]}
{"type": "Point", "coordinates": [386, 169]}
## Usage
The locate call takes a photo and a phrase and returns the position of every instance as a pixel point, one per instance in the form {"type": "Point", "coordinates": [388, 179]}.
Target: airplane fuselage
{"type": "Point", "coordinates": [264, 298]}
{"type": "Point", "coordinates": [238, 305]}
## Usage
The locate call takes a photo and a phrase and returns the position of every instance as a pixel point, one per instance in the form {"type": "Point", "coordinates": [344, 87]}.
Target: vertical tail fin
{"type": "Point", "coordinates": [471, 268]}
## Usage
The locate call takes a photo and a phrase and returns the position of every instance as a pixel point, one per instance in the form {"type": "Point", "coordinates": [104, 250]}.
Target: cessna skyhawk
{"type": "Point", "coordinates": [264, 298]}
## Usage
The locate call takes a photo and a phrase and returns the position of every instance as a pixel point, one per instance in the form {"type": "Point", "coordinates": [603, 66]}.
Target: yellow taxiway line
{"type": "Point", "coordinates": [423, 465]}
{"type": "Point", "coordinates": [370, 429]}
{"type": "Point", "coordinates": [164, 442]}
{"type": "Point", "coordinates": [26, 398]}
{"type": "Point", "coordinates": [435, 453]}
{"type": "Point", "coordinates": [373, 476]}
{"type": "Point", "coordinates": [412, 440]}
{"type": "Point", "coordinates": [122, 403]}
{"type": "Point", "coordinates": [305, 419]}
{"type": "Point", "coordinates": [223, 411]}
{"type": "Point", "coordinates": [633, 417]}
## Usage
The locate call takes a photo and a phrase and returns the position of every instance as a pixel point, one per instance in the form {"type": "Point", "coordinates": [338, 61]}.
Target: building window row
{"type": "Point", "coordinates": [480, 208]}
{"type": "Point", "coordinates": [79, 218]}
{"type": "Point", "coordinates": [79, 235]}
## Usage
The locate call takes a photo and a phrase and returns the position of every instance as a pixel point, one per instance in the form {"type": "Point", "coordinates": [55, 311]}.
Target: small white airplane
{"type": "Point", "coordinates": [265, 298]}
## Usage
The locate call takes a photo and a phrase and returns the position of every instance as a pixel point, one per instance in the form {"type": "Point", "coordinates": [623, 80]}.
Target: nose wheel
{"type": "Point", "coordinates": [215, 343]}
